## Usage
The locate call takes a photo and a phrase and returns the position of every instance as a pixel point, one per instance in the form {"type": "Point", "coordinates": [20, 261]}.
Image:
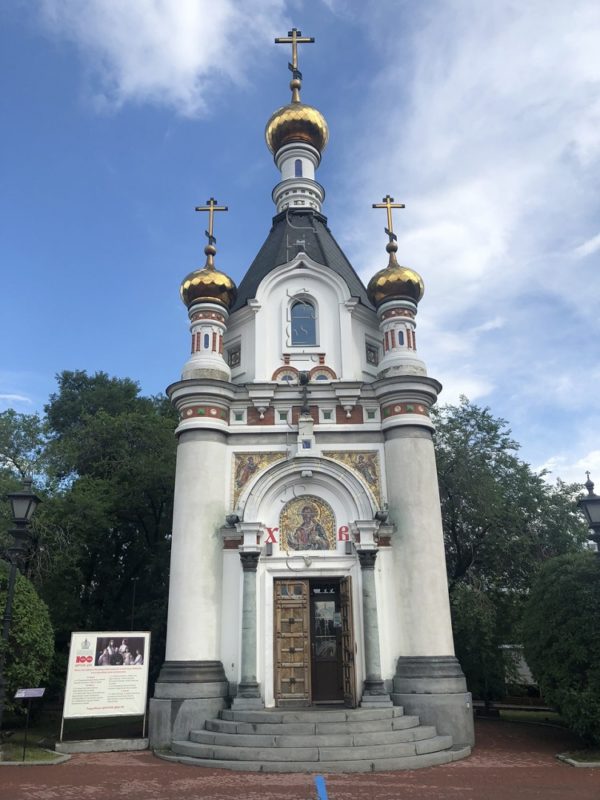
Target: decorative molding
{"type": "Point", "coordinates": [397, 409]}
{"type": "Point", "coordinates": [209, 412]}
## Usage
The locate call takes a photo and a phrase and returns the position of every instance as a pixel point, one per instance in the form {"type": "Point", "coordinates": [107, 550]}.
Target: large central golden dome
{"type": "Point", "coordinates": [296, 122]}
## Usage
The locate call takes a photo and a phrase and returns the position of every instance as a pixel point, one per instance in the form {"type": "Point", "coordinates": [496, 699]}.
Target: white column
{"type": "Point", "coordinates": [418, 544]}
{"type": "Point", "coordinates": [194, 618]}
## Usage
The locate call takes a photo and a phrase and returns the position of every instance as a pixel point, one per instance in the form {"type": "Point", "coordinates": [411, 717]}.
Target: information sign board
{"type": "Point", "coordinates": [107, 674]}
{"type": "Point", "coordinates": [27, 694]}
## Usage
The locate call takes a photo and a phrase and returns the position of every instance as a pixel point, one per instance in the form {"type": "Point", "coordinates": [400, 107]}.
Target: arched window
{"type": "Point", "coordinates": [304, 325]}
{"type": "Point", "coordinates": [206, 341]}
{"type": "Point", "coordinates": [298, 168]}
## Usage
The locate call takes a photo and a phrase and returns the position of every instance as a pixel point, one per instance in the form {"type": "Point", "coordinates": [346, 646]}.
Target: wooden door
{"type": "Point", "coordinates": [292, 642]}
{"type": "Point", "coordinates": [348, 672]}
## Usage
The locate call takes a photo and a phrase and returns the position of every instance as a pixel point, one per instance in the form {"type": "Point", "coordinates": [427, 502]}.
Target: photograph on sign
{"type": "Point", "coordinates": [107, 674]}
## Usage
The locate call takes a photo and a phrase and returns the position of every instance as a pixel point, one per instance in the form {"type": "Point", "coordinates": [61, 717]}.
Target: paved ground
{"type": "Point", "coordinates": [511, 762]}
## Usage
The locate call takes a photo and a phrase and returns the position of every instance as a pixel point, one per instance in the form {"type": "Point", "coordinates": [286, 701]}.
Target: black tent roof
{"type": "Point", "coordinates": [294, 232]}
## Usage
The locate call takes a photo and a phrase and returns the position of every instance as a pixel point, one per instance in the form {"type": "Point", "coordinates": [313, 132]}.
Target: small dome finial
{"type": "Point", "coordinates": [295, 38]}
{"type": "Point", "coordinates": [210, 250]}
{"type": "Point", "coordinates": [208, 284]}
{"type": "Point", "coordinates": [392, 245]}
{"type": "Point", "coordinates": [394, 282]}
{"type": "Point", "coordinates": [589, 484]}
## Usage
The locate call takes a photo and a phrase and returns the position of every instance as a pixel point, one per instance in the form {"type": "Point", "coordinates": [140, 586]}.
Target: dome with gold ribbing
{"type": "Point", "coordinates": [296, 122]}
{"type": "Point", "coordinates": [395, 282]}
{"type": "Point", "coordinates": [208, 285]}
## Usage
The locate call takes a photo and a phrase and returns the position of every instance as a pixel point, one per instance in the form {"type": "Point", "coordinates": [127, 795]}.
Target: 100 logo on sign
{"type": "Point", "coordinates": [84, 660]}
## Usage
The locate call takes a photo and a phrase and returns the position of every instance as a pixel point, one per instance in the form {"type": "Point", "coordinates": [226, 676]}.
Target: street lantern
{"type": "Point", "coordinates": [23, 505]}
{"type": "Point", "coordinates": [590, 505]}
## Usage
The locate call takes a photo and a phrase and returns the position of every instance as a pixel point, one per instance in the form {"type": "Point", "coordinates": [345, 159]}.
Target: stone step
{"type": "Point", "coordinates": [319, 740]}
{"type": "Point", "coordinates": [365, 765]}
{"type": "Point", "coordinates": [308, 728]}
{"type": "Point", "coordinates": [314, 753]}
{"type": "Point", "coordinates": [311, 715]}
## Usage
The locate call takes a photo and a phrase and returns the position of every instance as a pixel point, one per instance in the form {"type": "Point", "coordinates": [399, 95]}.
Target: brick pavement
{"type": "Point", "coordinates": [510, 762]}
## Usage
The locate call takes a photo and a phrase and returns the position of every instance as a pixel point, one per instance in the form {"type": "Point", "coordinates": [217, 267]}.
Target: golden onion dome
{"type": "Point", "coordinates": [296, 122]}
{"type": "Point", "coordinates": [208, 285]}
{"type": "Point", "coordinates": [395, 282]}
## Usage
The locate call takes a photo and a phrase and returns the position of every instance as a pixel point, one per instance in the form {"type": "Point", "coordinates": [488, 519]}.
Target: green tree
{"type": "Point", "coordinates": [31, 640]}
{"type": "Point", "coordinates": [561, 634]}
{"type": "Point", "coordinates": [501, 522]}
{"type": "Point", "coordinates": [114, 451]}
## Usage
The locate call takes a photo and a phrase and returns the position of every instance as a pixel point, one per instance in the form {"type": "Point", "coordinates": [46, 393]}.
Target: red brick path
{"type": "Point", "coordinates": [510, 762]}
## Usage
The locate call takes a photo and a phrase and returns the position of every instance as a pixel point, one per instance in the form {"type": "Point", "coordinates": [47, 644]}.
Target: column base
{"type": "Point", "coordinates": [186, 694]}
{"type": "Point", "coordinates": [375, 695]}
{"type": "Point", "coordinates": [434, 688]}
{"type": "Point", "coordinates": [248, 696]}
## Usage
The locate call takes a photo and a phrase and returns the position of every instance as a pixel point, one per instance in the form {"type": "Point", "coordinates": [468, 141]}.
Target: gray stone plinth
{"type": "Point", "coordinates": [183, 701]}
{"type": "Point", "coordinates": [101, 745]}
{"type": "Point", "coordinates": [434, 688]}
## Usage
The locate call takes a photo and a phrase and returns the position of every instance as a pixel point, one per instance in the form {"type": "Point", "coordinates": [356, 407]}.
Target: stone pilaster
{"type": "Point", "coordinates": [374, 693]}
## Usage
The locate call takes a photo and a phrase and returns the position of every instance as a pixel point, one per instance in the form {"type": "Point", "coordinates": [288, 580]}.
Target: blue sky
{"type": "Point", "coordinates": [484, 118]}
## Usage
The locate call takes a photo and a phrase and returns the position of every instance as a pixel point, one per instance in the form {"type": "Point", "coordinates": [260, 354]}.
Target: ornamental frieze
{"type": "Point", "coordinates": [404, 408]}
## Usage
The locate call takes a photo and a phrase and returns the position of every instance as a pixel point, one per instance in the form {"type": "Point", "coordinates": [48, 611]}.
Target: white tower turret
{"type": "Point", "coordinates": [297, 134]}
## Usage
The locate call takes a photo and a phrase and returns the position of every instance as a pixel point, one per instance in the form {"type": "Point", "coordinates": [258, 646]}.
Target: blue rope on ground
{"type": "Point", "coordinates": [321, 788]}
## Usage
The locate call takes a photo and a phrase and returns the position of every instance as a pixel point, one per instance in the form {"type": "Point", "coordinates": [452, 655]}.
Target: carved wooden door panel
{"type": "Point", "coordinates": [348, 672]}
{"type": "Point", "coordinates": [292, 642]}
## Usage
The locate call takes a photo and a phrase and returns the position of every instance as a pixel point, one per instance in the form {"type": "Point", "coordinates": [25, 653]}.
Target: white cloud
{"type": "Point", "coordinates": [574, 471]}
{"type": "Point", "coordinates": [10, 399]}
{"type": "Point", "coordinates": [165, 52]}
{"type": "Point", "coordinates": [488, 128]}
{"type": "Point", "coordinates": [588, 247]}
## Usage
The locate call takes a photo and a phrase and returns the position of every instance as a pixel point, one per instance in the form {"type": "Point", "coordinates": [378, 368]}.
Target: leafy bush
{"type": "Point", "coordinates": [31, 639]}
{"type": "Point", "coordinates": [476, 641]}
{"type": "Point", "coordinates": [561, 634]}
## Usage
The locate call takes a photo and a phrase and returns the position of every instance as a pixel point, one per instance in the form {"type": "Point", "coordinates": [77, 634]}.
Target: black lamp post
{"type": "Point", "coordinates": [590, 505]}
{"type": "Point", "coordinates": [23, 505]}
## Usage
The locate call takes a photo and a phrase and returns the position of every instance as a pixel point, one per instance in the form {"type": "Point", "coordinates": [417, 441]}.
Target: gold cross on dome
{"type": "Point", "coordinates": [294, 38]}
{"type": "Point", "coordinates": [211, 206]}
{"type": "Point", "coordinates": [388, 203]}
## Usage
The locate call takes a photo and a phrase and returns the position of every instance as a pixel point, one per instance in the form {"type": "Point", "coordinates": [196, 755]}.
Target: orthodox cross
{"type": "Point", "coordinates": [211, 206]}
{"type": "Point", "coordinates": [388, 203]}
{"type": "Point", "coordinates": [295, 38]}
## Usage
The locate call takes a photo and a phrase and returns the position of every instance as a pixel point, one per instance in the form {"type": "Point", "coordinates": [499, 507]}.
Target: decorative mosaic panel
{"type": "Point", "coordinates": [307, 523]}
{"type": "Point", "coordinates": [365, 463]}
{"type": "Point", "coordinates": [246, 466]}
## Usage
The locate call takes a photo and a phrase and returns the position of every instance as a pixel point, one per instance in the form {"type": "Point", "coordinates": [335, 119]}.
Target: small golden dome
{"type": "Point", "coordinates": [296, 122]}
{"type": "Point", "coordinates": [208, 285]}
{"type": "Point", "coordinates": [395, 282]}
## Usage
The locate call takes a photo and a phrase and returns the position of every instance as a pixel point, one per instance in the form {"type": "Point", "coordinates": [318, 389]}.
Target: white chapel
{"type": "Point", "coordinates": [309, 622]}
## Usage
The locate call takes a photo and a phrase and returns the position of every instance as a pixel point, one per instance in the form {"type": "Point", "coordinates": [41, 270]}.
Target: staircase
{"type": "Point", "coordinates": [315, 740]}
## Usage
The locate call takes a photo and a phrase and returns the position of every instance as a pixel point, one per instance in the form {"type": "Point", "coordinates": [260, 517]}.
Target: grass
{"type": "Point", "coordinates": [539, 717]}
{"type": "Point", "coordinates": [593, 754]}
{"type": "Point", "coordinates": [13, 751]}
